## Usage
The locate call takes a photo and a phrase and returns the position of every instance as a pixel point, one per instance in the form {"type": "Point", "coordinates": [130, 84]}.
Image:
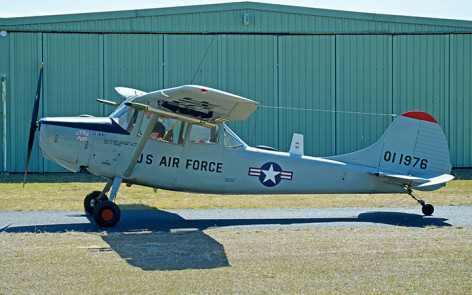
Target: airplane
{"type": "Point", "coordinates": [176, 139]}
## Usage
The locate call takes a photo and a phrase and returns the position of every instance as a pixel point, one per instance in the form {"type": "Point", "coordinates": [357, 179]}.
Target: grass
{"type": "Point", "coordinates": [305, 261]}
{"type": "Point", "coordinates": [66, 191]}
{"type": "Point", "coordinates": [302, 261]}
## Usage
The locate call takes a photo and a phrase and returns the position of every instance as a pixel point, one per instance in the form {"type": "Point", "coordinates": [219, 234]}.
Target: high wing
{"type": "Point", "coordinates": [195, 104]}
{"type": "Point", "coordinates": [206, 104]}
{"type": "Point", "coordinates": [129, 93]}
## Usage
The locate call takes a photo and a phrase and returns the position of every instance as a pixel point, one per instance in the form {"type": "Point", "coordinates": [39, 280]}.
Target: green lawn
{"type": "Point", "coordinates": [397, 260]}
{"type": "Point", "coordinates": [66, 191]}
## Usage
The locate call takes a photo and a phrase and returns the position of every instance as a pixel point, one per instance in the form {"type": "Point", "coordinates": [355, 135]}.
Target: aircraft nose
{"type": "Point", "coordinates": [44, 139]}
{"type": "Point", "coordinates": [58, 143]}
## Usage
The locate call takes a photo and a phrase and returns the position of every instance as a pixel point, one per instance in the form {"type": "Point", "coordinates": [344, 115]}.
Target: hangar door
{"type": "Point", "coordinates": [24, 60]}
{"type": "Point", "coordinates": [306, 86]}
{"type": "Point", "coordinates": [242, 64]}
{"type": "Point", "coordinates": [363, 90]}
{"type": "Point", "coordinates": [248, 67]}
{"type": "Point", "coordinates": [460, 120]}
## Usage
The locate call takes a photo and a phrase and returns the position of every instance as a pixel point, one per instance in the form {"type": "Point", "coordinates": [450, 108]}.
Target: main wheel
{"type": "Point", "coordinates": [428, 209]}
{"type": "Point", "coordinates": [106, 214]}
{"type": "Point", "coordinates": [91, 201]}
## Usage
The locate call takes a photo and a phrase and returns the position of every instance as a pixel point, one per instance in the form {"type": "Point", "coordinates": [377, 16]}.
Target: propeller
{"type": "Point", "coordinates": [33, 125]}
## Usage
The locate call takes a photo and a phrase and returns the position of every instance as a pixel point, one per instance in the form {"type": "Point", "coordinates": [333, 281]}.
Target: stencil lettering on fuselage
{"type": "Point", "coordinates": [190, 164]}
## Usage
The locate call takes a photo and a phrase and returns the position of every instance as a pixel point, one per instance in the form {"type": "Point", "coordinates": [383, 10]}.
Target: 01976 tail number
{"type": "Point", "coordinates": [406, 160]}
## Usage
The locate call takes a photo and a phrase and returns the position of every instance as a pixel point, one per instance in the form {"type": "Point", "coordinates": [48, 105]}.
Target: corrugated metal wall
{"type": "Point", "coordinates": [307, 81]}
{"type": "Point", "coordinates": [363, 85]}
{"type": "Point", "coordinates": [460, 100]}
{"type": "Point", "coordinates": [421, 75]}
{"type": "Point", "coordinates": [294, 78]}
{"type": "Point", "coordinates": [248, 67]}
{"type": "Point", "coordinates": [25, 59]}
{"type": "Point", "coordinates": [135, 61]}
{"type": "Point", "coordinates": [218, 18]}
{"type": "Point", "coordinates": [74, 71]}
{"type": "Point", "coordinates": [313, 71]}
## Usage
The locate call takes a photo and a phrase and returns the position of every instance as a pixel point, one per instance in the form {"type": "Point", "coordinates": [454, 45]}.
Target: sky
{"type": "Point", "coordinates": [448, 9]}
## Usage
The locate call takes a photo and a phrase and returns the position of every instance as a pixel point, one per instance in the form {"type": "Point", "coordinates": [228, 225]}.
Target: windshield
{"type": "Point", "coordinates": [125, 117]}
{"type": "Point", "coordinates": [232, 141]}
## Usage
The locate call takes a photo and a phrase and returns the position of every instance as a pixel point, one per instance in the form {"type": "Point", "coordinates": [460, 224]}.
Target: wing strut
{"type": "Point", "coordinates": [124, 169]}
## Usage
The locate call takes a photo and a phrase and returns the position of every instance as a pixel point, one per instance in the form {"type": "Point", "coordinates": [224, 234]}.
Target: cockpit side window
{"type": "Point", "coordinates": [200, 134]}
{"type": "Point", "coordinates": [231, 140]}
{"type": "Point", "coordinates": [165, 129]}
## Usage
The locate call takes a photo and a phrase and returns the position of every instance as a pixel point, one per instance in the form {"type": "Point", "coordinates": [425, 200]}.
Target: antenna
{"type": "Point", "coordinates": [201, 62]}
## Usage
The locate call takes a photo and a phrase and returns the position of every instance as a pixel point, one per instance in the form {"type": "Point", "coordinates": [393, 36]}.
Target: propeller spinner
{"type": "Point", "coordinates": [33, 125]}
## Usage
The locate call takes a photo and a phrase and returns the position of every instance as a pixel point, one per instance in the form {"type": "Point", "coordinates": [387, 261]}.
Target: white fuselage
{"type": "Point", "coordinates": [199, 167]}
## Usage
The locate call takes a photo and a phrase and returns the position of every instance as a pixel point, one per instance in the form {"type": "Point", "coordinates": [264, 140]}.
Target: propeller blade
{"type": "Point", "coordinates": [33, 122]}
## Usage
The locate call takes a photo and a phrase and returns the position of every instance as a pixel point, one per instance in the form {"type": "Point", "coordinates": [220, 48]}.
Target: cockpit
{"type": "Point", "coordinates": [173, 130]}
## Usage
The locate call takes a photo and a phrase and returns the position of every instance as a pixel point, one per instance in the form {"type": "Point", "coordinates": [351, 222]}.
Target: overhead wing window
{"type": "Point", "coordinates": [200, 134]}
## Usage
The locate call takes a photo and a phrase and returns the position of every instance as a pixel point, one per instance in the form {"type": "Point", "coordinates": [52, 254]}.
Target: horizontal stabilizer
{"type": "Point", "coordinates": [420, 182]}
{"type": "Point", "coordinates": [440, 179]}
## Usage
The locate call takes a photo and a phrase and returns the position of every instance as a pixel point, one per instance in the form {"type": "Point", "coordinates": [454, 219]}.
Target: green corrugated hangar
{"type": "Point", "coordinates": [334, 76]}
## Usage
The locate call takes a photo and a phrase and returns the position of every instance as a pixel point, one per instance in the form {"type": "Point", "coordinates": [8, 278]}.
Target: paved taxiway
{"type": "Point", "coordinates": [239, 219]}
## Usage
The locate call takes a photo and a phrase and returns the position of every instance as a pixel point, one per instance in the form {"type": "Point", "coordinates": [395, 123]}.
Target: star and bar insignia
{"type": "Point", "coordinates": [270, 174]}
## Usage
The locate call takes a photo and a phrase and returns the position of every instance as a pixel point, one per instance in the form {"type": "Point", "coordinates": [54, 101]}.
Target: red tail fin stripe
{"type": "Point", "coordinates": [420, 116]}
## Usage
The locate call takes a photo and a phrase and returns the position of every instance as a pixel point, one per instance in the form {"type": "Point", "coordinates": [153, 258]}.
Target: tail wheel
{"type": "Point", "coordinates": [428, 209]}
{"type": "Point", "coordinates": [91, 200]}
{"type": "Point", "coordinates": [106, 214]}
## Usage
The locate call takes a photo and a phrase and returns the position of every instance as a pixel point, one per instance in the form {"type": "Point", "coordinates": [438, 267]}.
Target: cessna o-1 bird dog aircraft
{"type": "Point", "coordinates": [176, 139]}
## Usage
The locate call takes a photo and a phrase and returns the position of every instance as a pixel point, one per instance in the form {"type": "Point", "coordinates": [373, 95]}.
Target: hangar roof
{"type": "Point", "coordinates": [238, 17]}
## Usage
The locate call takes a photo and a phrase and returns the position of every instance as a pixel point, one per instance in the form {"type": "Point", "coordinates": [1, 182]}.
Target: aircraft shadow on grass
{"type": "Point", "coordinates": [160, 240]}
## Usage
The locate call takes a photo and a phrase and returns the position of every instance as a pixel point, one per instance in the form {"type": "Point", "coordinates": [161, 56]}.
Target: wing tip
{"type": "Point", "coordinates": [420, 116]}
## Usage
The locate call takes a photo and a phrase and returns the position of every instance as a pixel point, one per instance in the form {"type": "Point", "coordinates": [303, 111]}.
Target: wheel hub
{"type": "Point", "coordinates": [107, 214]}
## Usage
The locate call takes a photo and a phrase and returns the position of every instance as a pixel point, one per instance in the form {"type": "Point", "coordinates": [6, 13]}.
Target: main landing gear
{"type": "Point", "coordinates": [104, 211]}
{"type": "Point", "coordinates": [427, 209]}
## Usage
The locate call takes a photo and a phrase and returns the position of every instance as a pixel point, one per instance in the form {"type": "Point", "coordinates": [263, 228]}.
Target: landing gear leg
{"type": "Point", "coordinates": [104, 211]}
{"type": "Point", "coordinates": [427, 209]}
{"type": "Point", "coordinates": [95, 197]}
{"type": "Point", "coordinates": [92, 200]}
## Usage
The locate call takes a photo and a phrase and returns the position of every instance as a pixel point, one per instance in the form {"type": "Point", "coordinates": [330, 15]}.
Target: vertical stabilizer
{"type": "Point", "coordinates": [414, 144]}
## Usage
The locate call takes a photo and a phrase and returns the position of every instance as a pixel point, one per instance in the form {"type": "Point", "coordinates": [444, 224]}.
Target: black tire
{"type": "Point", "coordinates": [106, 214]}
{"type": "Point", "coordinates": [428, 209]}
{"type": "Point", "coordinates": [90, 201]}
